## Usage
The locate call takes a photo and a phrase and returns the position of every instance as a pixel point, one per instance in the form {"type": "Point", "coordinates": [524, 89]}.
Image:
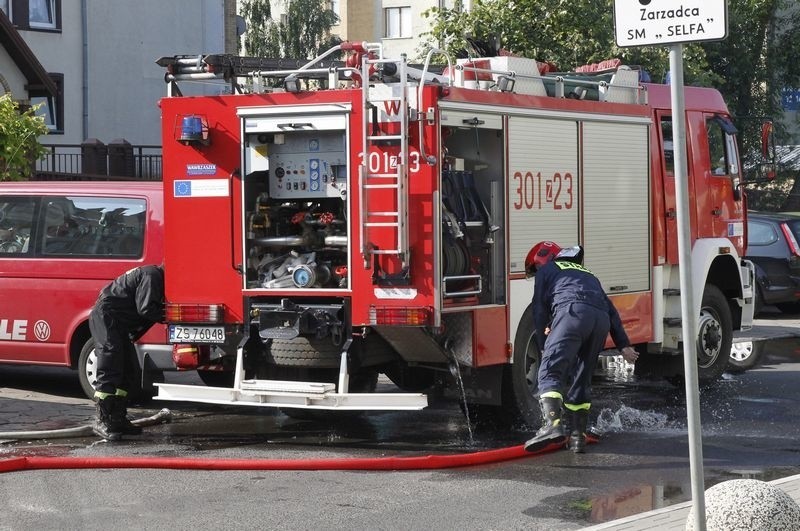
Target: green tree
{"type": "Point", "coordinates": [305, 33]}
{"type": "Point", "coordinates": [19, 144]}
{"type": "Point", "coordinates": [562, 32]}
{"type": "Point", "coordinates": [750, 68]}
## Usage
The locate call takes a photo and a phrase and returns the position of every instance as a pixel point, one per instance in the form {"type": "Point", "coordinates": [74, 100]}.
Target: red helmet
{"type": "Point", "coordinates": [539, 255]}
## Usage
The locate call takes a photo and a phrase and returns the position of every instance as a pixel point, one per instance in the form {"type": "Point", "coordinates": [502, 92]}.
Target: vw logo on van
{"type": "Point", "coordinates": [41, 330]}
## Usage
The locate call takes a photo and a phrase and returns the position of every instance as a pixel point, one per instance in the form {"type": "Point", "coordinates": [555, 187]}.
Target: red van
{"type": "Point", "coordinates": [60, 243]}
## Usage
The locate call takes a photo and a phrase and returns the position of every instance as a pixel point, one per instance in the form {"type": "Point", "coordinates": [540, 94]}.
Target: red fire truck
{"type": "Point", "coordinates": [330, 221]}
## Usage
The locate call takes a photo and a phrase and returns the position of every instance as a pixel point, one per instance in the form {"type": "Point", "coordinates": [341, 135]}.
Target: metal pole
{"type": "Point", "coordinates": [688, 314]}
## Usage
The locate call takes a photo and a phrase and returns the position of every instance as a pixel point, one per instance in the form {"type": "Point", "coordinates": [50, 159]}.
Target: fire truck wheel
{"type": "Point", "coordinates": [304, 352]}
{"type": "Point", "coordinates": [321, 353]}
{"type": "Point", "coordinates": [714, 335]}
{"type": "Point", "coordinates": [520, 378]}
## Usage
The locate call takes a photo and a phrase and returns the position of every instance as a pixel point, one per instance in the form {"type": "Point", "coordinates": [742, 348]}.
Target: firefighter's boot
{"type": "Point", "coordinates": [577, 437]}
{"type": "Point", "coordinates": [120, 415]}
{"type": "Point", "coordinates": [104, 425]}
{"type": "Point", "coordinates": [551, 432]}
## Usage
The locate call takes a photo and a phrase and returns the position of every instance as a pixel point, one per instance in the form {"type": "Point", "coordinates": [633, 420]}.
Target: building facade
{"type": "Point", "coordinates": [400, 25]}
{"type": "Point", "coordinates": [101, 54]}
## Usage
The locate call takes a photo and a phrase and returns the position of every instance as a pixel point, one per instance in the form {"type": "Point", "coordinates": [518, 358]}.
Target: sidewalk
{"type": "Point", "coordinates": [673, 518]}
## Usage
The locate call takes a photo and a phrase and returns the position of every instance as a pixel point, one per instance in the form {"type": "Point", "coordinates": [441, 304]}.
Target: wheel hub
{"type": "Point", "coordinates": [710, 339]}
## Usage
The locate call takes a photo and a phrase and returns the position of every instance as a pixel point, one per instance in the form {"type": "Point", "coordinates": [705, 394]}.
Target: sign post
{"type": "Point", "coordinates": [654, 23]}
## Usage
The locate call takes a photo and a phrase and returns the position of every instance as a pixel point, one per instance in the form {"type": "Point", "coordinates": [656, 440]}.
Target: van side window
{"type": "Point", "coordinates": [16, 224]}
{"type": "Point", "coordinates": [112, 227]}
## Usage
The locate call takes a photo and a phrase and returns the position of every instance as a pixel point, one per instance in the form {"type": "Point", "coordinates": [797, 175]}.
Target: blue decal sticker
{"type": "Point", "coordinates": [183, 188]}
{"type": "Point", "coordinates": [201, 169]}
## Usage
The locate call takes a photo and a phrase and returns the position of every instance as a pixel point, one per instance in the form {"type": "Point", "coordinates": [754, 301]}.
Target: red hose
{"type": "Point", "coordinates": [424, 462]}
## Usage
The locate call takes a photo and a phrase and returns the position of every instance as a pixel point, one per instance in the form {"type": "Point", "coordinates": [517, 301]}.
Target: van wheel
{"type": "Point", "coordinates": [87, 368]}
{"type": "Point", "coordinates": [714, 335]}
{"type": "Point", "coordinates": [87, 375]}
{"type": "Point", "coordinates": [745, 355]}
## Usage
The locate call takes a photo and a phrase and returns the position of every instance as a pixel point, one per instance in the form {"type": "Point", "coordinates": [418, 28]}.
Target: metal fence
{"type": "Point", "coordinates": [67, 161]}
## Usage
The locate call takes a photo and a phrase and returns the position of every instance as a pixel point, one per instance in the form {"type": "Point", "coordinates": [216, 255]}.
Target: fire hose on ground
{"type": "Point", "coordinates": [162, 417]}
{"type": "Point", "coordinates": [423, 462]}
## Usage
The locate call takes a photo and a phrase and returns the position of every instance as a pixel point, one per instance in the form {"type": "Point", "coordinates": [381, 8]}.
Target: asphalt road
{"type": "Point", "coordinates": [750, 428]}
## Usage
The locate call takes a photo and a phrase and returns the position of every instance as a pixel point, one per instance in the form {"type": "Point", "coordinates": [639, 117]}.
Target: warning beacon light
{"type": "Point", "coordinates": [193, 130]}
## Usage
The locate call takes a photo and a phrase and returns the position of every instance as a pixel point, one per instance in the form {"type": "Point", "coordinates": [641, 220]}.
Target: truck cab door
{"type": "Point", "coordinates": [718, 167]}
{"type": "Point", "coordinates": [667, 163]}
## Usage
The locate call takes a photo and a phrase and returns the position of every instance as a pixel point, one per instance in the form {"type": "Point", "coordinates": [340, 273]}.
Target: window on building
{"type": "Point", "coordinates": [51, 107]}
{"type": "Point", "coordinates": [335, 9]}
{"type": "Point", "coordinates": [42, 14]}
{"type": "Point", "coordinates": [33, 14]}
{"type": "Point", "coordinates": [397, 22]}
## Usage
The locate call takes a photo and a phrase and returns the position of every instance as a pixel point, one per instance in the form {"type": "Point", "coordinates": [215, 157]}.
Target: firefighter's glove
{"type": "Point", "coordinates": [629, 354]}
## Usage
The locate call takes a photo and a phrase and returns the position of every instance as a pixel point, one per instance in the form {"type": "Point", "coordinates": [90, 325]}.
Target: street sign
{"type": "Point", "coordinates": [654, 22]}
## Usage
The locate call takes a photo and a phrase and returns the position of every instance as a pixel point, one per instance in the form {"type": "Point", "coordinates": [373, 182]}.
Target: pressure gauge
{"type": "Point", "coordinates": [303, 276]}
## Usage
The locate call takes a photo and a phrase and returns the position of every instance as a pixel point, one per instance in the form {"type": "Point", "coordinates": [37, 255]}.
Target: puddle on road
{"type": "Point", "coordinates": [628, 419]}
{"type": "Point", "coordinates": [36, 449]}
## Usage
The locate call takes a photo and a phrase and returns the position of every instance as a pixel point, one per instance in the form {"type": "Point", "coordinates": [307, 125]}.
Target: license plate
{"type": "Point", "coordinates": [196, 334]}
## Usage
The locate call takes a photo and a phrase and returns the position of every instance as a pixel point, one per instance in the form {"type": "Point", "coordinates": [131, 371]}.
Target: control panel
{"type": "Point", "coordinates": [303, 164]}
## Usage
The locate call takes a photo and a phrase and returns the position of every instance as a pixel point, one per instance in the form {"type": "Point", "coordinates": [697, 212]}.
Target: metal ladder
{"type": "Point", "coordinates": [398, 180]}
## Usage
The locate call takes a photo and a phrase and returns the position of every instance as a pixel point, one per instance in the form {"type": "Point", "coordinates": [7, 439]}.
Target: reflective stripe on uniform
{"type": "Point", "coordinates": [571, 265]}
{"type": "Point", "coordinates": [578, 407]}
{"type": "Point", "coordinates": [551, 394]}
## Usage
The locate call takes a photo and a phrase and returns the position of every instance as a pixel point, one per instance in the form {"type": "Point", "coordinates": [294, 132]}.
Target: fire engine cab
{"type": "Point", "coordinates": [330, 221]}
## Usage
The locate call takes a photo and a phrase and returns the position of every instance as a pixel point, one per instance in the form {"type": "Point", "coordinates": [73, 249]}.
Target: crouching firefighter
{"type": "Point", "coordinates": [124, 311]}
{"type": "Point", "coordinates": [573, 317]}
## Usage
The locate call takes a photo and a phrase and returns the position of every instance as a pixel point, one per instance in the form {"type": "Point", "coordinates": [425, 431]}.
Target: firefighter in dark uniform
{"type": "Point", "coordinates": [124, 311]}
{"type": "Point", "coordinates": [573, 317]}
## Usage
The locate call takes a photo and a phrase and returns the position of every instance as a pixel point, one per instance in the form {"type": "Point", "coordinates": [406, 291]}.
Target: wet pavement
{"type": "Point", "coordinates": [750, 428]}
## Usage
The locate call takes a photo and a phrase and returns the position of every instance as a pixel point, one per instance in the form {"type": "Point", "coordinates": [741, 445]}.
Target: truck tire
{"type": "Point", "coordinates": [304, 351]}
{"type": "Point", "coordinates": [313, 352]}
{"type": "Point", "coordinates": [714, 335]}
{"type": "Point", "coordinates": [519, 394]}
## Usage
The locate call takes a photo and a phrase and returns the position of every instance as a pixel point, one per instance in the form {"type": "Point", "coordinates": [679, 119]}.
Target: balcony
{"type": "Point", "coordinates": [93, 160]}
